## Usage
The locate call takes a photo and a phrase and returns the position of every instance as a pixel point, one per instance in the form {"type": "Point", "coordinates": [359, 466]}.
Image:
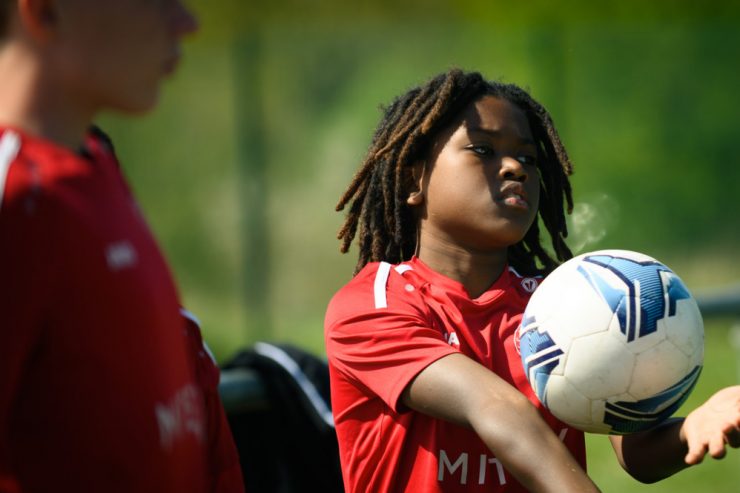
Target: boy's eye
{"type": "Point", "coordinates": [480, 149]}
{"type": "Point", "coordinates": [527, 159]}
{"type": "Point", "coordinates": [487, 150]}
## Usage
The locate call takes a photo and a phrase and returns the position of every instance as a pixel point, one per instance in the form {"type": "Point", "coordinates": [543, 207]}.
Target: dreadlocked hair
{"type": "Point", "coordinates": [380, 218]}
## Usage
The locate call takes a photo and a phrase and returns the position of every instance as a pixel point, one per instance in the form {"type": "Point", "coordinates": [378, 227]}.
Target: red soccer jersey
{"type": "Point", "coordinates": [382, 329]}
{"type": "Point", "coordinates": [101, 384]}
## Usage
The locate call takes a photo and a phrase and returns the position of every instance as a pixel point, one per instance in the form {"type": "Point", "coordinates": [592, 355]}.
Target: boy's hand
{"type": "Point", "coordinates": [713, 425]}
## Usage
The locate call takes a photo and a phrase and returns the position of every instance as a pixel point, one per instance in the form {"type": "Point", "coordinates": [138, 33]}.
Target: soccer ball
{"type": "Point", "coordinates": [612, 342]}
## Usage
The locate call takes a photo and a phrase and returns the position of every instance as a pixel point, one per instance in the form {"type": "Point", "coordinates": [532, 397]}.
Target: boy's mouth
{"type": "Point", "coordinates": [513, 195]}
{"type": "Point", "coordinates": [515, 200]}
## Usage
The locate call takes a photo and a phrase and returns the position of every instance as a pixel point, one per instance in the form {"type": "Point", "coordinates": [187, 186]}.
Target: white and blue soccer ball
{"type": "Point", "coordinates": [612, 342]}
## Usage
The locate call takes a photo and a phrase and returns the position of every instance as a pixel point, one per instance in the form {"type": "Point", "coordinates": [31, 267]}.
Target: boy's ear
{"type": "Point", "coordinates": [39, 17]}
{"type": "Point", "coordinates": [416, 188]}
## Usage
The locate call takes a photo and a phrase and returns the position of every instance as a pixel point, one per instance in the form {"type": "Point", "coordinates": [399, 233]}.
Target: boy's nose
{"type": "Point", "coordinates": [512, 169]}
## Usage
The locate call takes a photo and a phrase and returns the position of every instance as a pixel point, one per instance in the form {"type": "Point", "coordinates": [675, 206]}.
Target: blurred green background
{"type": "Point", "coordinates": [240, 167]}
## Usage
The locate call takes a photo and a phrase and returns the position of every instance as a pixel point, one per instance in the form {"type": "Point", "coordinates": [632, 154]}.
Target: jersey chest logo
{"type": "Point", "coordinates": [529, 284]}
{"type": "Point", "coordinates": [121, 255]}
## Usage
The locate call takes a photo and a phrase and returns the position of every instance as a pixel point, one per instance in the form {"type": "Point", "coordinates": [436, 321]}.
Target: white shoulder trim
{"type": "Point", "coordinates": [190, 316]}
{"type": "Point", "coordinates": [10, 144]}
{"type": "Point", "coordinates": [381, 279]}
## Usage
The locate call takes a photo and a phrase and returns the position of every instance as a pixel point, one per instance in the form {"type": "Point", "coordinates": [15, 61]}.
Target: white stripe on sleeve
{"type": "Point", "coordinates": [191, 316]}
{"type": "Point", "coordinates": [10, 144]}
{"type": "Point", "coordinates": [381, 278]}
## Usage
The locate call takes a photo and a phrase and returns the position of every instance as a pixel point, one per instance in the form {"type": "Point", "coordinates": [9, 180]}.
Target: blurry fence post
{"type": "Point", "coordinates": [724, 302]}
{"type": "Point", "coordinates": [252, 173]}
{"type": "Point", "coordinates": [717, 302]}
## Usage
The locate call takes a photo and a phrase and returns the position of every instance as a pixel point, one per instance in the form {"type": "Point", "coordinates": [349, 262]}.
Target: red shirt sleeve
{"type": "Point", "coordinates": [223, 459]}
{"type": "Point", "coordinates": [380, 335]}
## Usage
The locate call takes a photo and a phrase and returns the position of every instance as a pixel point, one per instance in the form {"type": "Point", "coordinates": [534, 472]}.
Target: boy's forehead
{"type": "Point", "coordinates": [494, 114]}
{"type": "Point", "coordinates": [491, 115]}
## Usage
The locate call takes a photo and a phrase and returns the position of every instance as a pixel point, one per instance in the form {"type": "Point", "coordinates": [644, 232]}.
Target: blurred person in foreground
{"type": "Point", "coordinates": [105, 383]}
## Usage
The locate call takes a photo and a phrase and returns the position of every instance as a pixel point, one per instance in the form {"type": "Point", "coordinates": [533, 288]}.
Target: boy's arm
{"type": "Point", "coordinates": [657, 453]}
{"type": "Point", "coordinates": [457, 389]}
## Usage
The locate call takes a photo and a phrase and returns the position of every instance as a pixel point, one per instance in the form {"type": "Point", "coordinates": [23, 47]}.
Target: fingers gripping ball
{"type": "Point", "coordinates": [612, 342]}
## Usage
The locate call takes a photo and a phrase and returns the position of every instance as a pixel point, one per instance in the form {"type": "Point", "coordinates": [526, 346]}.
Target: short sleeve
{"type": "Point", "coordinates": [379, 334]}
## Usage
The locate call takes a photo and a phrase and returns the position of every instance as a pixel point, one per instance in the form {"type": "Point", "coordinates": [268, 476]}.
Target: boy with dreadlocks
{"type": "Point", "coordinates": [428, 392]}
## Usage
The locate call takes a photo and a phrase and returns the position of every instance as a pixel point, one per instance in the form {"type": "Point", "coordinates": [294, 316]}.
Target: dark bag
{"type": "Point", "coordinates": [287, 442]}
